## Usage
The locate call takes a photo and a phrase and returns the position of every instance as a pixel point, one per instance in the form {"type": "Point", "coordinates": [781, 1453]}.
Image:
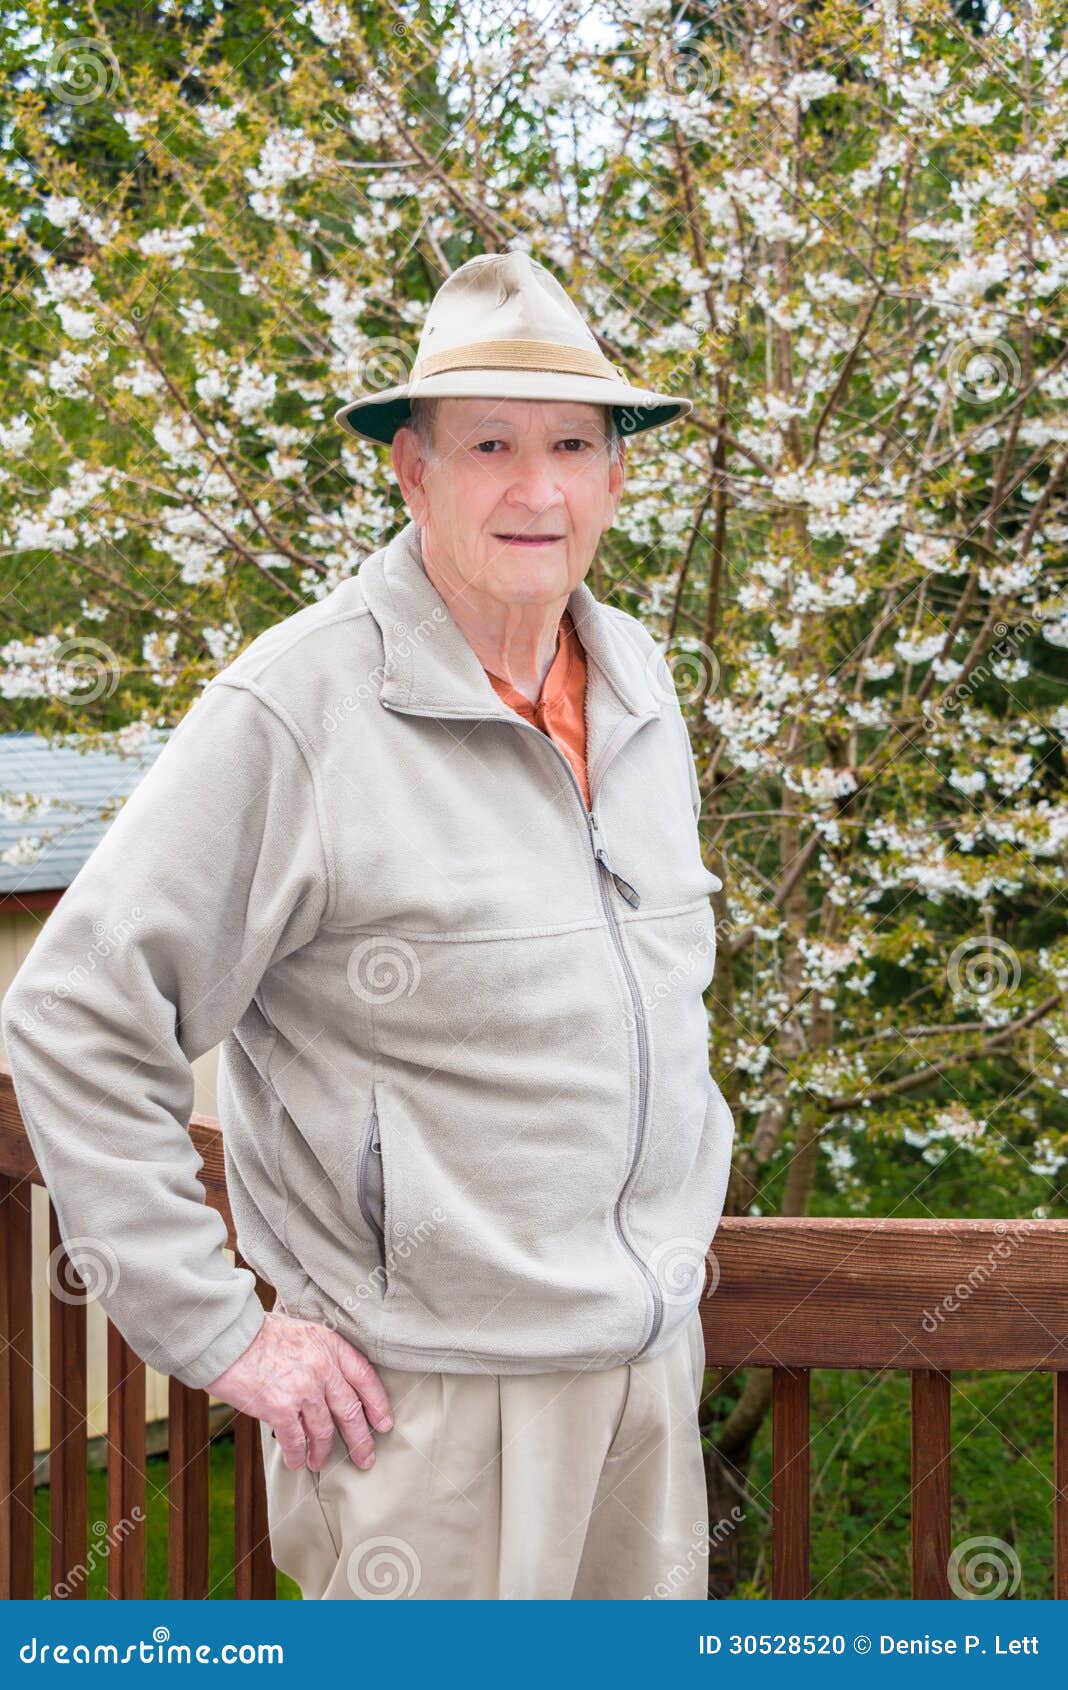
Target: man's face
{"type": "Point", "coordinates": [504, 474]}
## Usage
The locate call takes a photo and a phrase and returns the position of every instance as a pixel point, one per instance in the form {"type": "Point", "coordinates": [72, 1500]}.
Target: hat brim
{"type": "Point", "coordinates": [378, 416]}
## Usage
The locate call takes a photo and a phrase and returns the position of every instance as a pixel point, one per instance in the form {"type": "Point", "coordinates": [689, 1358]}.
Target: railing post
{"type": "Point", "coordinates": [930, 1484]}
{"type": "Point", "coordinates": [16, 1390]}
{"type": "Point", "coordinates": [188, 1492]}
{"type": "Point", "coordinates": [790, 1483]}
{"type": "Point", "coordinates": [254, 1572]}
{"type": "Point", "coordinates": [1060, 1486]}
{"type": "Point", "coordinates": [68, 1474]}
{"type": "Point", "coordinates": [127, 1522]}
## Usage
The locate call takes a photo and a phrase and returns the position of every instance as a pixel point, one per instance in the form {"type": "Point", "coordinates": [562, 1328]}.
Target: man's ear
{"type": "Point", "coordinates": [408, 468]}
{"type": "Point", "coordinates": [617, 477]}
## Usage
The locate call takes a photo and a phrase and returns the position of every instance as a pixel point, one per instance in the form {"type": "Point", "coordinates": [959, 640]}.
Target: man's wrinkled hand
{"type": "Point", "coordinates": [302, 1379]}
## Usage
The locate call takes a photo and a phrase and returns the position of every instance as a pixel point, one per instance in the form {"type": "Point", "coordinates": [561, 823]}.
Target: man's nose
{"type": "Point", "coordinates": [537, 484]}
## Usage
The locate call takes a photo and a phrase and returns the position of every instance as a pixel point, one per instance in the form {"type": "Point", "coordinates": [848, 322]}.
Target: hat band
{"type": "Point", "coordinates": [518, 355]}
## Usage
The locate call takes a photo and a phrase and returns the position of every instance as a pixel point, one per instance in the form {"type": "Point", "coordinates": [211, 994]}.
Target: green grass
{"type": "Point", "coordinates": [221, 1506]}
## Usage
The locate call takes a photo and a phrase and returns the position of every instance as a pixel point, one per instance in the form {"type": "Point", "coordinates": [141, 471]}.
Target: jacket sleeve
{"type": "Point", "coordinates": [214, 868]}
{"type": "Point", "coordinates": [695, 791]}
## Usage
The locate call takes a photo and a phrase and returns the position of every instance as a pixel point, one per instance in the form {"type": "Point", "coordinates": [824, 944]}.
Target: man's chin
{"type": "Point", "coordinates": [532, 586]}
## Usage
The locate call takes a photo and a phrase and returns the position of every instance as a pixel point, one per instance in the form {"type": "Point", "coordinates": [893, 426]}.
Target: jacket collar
{"type": "Point", "coordinates": [430, 670]}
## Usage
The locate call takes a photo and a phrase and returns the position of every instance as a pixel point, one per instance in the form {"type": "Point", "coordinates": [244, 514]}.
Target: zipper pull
{"type": "Point", "coordinates": [376, 1141]}
{"type": "Point", "coordinates": [598, 848]}
{"type": "Point", "coordinates": [623, 887]}
{"type": "Point", "coordinates": [626, 890]}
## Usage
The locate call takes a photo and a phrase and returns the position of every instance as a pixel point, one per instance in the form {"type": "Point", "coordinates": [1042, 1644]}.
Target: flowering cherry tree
{"type": "Point", "coordinates": [842, 232]}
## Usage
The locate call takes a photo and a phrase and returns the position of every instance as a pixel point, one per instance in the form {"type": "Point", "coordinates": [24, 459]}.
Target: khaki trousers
{"type": "Point", "coordinates": [584, 1486]}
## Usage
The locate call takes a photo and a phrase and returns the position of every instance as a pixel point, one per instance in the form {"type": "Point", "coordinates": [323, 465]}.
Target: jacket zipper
{"type": "Point", "coordinates": [627, 891]}
{"type": "Point", "coordinates": [372, 1144]}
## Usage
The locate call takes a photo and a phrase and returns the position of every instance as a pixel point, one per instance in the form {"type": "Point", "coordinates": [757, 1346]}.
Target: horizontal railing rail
{"type": "Point", "coordinates": [926, 1296]}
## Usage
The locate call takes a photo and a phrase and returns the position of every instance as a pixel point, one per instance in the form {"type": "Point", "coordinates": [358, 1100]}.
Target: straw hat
{"type": "Point", "coordinates": [502, 327]}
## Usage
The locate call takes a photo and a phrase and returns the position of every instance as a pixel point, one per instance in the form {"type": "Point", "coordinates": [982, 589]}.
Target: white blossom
{"type": "Point", "coordinates": [1045, 1160]}
{"type": "Point", "coordinates": [285, 156]}
{"type": "Point", "coordinates": [218, 120]}
{"type": "Point", "coordinates": [173, 244]}
{"type": "Point", "coordinates": [80, 325]}
{"type": "Point", "coordinates": [197, 319]}
{"type": "Point", "coordinates": [223, 643]}
{"type": "Point", "coordinates": [141, 379]}
{"type": "Point", "coordinates": [284, 465]}
{"type": "Point", "coordinates": [63, 281]}
{"type": "Point", "coordinates": [211, 387]}
{"type": "Point", "coordinates": [968, 781]}
{"type": "Point", "coordinates": [61, 209]}
{"type": "Point", "coordinates": [253, 391]}
{"type": "Point", "coordinates": [34, 533]}
{"type": "Point", "coordinates": [17, 435]}
{"type": "Point", "coordinates": [976, 112]}
{"type": "Point", "coordinates": [177, 439]}
{"type": "Point", "coordinates": [330, 20]}
{"type": "Point", "coordinates": [806, 86]}
{"type": "Point", "coordinates": [133, 122]}
{"type": "Point", "coordinates": [65, 374]}
{"type": "Point", "coordinates": [158, 650]}
{"type": "Point", "coordinates": [916, 648]}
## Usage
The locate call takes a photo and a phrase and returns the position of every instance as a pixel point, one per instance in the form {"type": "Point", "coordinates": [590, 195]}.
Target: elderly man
{"type": "Point", "coordinates": [424, 860]}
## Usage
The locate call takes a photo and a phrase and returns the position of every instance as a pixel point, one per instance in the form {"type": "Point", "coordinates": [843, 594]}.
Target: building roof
{"type": "Point", "coordinates": [81, 785]}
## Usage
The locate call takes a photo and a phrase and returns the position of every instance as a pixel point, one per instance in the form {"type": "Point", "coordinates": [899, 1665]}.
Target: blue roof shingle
{"type": "Point", "coordinates": [80, 784]}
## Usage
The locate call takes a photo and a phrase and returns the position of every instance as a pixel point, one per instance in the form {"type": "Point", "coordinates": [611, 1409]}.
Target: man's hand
{"type": "Point", "coordinates": [298, 1371]}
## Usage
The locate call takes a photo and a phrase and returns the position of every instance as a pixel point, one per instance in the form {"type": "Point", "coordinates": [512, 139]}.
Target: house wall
{"type": "Point", "coordinates": [17, 934]}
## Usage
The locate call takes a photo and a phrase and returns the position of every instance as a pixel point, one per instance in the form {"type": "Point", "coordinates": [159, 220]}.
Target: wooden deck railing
{"type": "Point", "coordinates": [790, 1295]}
{"type": "Point", "coordinates": [188, 1487]}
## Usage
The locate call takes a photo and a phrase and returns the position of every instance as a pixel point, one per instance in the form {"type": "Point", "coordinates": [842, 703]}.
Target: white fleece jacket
{"type": "Point", "coordinates": [463, 1080]}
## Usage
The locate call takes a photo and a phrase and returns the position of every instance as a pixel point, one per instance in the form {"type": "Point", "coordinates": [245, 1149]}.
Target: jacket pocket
{"type": "Point", "coordinates": [371, 1190]}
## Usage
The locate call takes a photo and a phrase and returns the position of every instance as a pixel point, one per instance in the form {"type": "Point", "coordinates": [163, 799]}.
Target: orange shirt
{"type": "Point", "coordinates": [561, 710]}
